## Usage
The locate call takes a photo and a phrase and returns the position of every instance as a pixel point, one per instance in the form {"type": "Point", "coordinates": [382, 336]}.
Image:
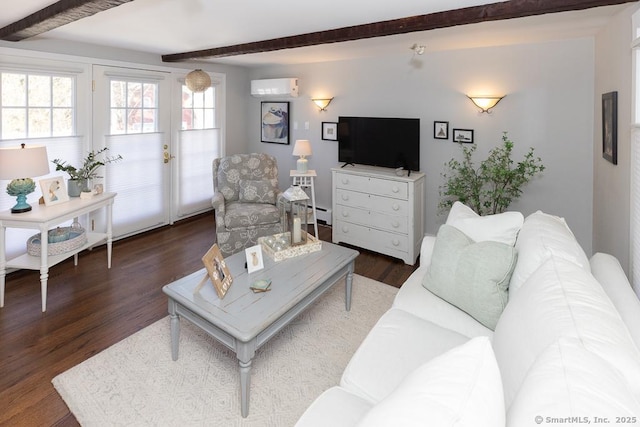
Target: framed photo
{"type": "Point", "coordinates": [274, 122]}
{"type": "Point", "coordinates": [217, 270]}
{"type": "Point", "coordinates": [54, 191]}
{"type": "Point", "coordinates": [610, 127]}
{"type": "Point", "coordinates": [463, 135]}
{"type": "Point", "coordinates": [441, 130]}
{"type": "Point", "coordinates": [329, 131]}
{"type": "Point", "coordinates": [254, 258]}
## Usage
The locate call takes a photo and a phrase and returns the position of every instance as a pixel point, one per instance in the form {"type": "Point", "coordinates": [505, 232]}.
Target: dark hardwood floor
{"type": "Point", "coordinates": [90, 308]}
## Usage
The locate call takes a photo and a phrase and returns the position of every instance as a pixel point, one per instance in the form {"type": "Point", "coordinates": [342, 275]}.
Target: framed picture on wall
{"type": "Point", "coordinates": [274, 122]}
{"type": "Point", "coordinates": [329, 131]}
{"type": "Point", "coordinates": [441, 130]}
{"type": "Point", "coordinates": [463, 135]}
{"type": "Point", "coordinates": [610, 127]}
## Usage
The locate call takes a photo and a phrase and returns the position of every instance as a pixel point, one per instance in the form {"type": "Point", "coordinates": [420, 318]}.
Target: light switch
{"type": "Point", "coordinates": [306, 125]}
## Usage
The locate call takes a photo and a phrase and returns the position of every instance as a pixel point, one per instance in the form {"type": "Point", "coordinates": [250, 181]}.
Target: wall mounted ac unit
{"type": "Point", "coordinates": [275, 87]}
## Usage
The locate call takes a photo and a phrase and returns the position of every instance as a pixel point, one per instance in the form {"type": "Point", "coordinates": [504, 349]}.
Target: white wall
{"type": "Point", "coordinates": [549, 106]}
{"type": "Point", "coordinates": [611, 186]}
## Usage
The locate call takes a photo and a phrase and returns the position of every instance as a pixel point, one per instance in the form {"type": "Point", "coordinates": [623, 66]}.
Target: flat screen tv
{"type": "Point", "coordinates": [379, 141]}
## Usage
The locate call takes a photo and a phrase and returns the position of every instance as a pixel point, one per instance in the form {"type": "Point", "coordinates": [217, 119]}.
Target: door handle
{"type": "Point", "coordinates": [168, 157]}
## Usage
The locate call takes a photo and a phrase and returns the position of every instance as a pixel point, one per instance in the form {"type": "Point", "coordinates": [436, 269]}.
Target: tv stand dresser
{"type": "Point", "coordinates": [375, 209]}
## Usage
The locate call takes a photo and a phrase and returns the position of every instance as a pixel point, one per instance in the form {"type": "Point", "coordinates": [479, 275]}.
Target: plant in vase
{"type": "Point", "coordinates": [491, 187]}
{"type": "Point", "coordinates": [79, 177]}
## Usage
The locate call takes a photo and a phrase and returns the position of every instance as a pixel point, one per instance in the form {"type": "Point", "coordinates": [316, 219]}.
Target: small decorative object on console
{"type": "Point", "coordinates": [294, 213]}
{"type": "Point", "coordinates": [277, 249]}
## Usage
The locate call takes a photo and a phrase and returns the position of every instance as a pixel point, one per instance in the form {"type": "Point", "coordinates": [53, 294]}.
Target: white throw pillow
{"type": "Point", "coordinates": [560, 299]}
{"type": "Point", "coordinates": [541, 236]}
{"type": "Point", "coordinates": [569, 382]}
{"type": "Point", "coordinates": [459, 388]}
{"type": "Point", "coordinates": [501, 227]}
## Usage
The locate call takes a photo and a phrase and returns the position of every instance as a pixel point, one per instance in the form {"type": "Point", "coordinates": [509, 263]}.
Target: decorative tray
{"type": "Point", "coordinates": [273, 246]}
{"type": "Point", "coordinates": [77, 237]}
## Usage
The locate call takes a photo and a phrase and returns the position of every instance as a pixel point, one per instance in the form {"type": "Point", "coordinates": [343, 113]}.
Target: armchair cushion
{"type": "Point", "coordinates": [257, 191]}
{"type": "Point", "coordinates": [243, 215]}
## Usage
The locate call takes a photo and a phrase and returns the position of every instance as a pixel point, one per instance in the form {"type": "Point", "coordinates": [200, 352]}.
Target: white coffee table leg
{"type": "Point", "coordinates": [348, 282]}
{"type": "Point", "coordinates": [245, 354]}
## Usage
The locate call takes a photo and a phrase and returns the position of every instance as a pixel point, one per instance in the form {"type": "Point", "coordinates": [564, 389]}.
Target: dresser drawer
{"type": "Point", "coordinates": [372, 202]}
{"type": "Point", "coordinates": [384, 221]}
{"type": "Point", "coordinates": [370, 185]}
{"type": "Point", "coordinates": [366, 237]}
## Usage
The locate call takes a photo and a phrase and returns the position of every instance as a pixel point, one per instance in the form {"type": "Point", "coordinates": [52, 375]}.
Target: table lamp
{"type": "Point", "coordinates": [302, 149]}
{"type": "Point", "coordinates": [17, 164]}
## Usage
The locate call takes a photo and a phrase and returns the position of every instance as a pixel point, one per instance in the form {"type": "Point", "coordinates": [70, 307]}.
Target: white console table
{"type": "Point", "coordinates": [44, 218]}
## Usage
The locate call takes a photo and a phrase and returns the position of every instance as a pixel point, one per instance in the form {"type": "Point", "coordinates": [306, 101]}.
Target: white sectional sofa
{"type": "Point", "coordinates": [546, 336]}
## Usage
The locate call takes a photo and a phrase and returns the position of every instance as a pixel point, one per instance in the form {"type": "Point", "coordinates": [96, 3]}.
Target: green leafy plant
{"type": "Point", "coordinates": [491, 187]}
{"type": "Point", "coordinates": [90, 165]}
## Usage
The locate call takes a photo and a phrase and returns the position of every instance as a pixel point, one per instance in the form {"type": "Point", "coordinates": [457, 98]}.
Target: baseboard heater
{"type": "Point", "coordinates": [323, 214]}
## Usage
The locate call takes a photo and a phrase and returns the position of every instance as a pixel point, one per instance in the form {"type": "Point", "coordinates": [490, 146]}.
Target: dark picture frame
{"type": "Point", "coordinates": [329, 131]}
{"type": "Point", "coordinates": [464, 136]}
{"type": "Point", "coordinates": [274, 122]}
{"type": "Point", "coordinates": [441, 130]}
{"type": "Point", "coordinates": [610, 127]}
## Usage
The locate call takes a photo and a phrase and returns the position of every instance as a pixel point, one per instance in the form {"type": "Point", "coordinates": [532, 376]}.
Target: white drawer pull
{"type": "Point", "coordinates": [345, 229]}
{"type": "Point", "coordinates": [395, 224]}
{"type": "Point", "coordinates": [395, 207]}
{"type": "Point", "coordinates": [345, 197]}
{"type": "Point", "coordinates": [395, 189]}
{"type": "Point", "coordinates": [345, 181]}
{"type": "Point", "coordinates": [395, 242]}
{"type": "Point", "coordinates": [345, 214]}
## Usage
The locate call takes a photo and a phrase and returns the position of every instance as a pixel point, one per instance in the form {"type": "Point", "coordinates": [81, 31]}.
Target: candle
{"type": "Point", "coordinates": [296, 230]}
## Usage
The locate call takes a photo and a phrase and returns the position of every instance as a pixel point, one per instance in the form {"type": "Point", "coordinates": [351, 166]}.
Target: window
{"type": "Point", "coordinates": [198, 109]}
{"type": "Point", "coordinates": [36, 105]}
{"type": "Point", "coordinates": [134, 107]}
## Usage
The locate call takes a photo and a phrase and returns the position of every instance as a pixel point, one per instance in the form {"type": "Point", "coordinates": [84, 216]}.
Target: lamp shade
{"type": "Point", "coordinates": [23, 162]}
{"type": "Point", "coordinates": [302, 148]}
{"type": "Point", "coordinates": [198, 81]}
{"type": "Point", "coordinates": [485, 103]}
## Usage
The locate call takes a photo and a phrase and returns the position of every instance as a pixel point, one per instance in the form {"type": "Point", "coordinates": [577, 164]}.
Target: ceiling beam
{"type": "Point", "coordinates": [450, 18]}
{"type": "Point", "coordinates": [54, 16]}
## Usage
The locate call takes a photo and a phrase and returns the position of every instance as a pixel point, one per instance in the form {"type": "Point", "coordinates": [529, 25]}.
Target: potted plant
{"type": "Point", "coordinates": [491, 187]}
{"type": "Point", "coordinates": [80, 176]}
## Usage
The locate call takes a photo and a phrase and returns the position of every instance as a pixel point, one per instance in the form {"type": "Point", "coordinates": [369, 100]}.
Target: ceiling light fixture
{"type": "Point", "coordinates": [198, 81]}
{"type": "Point", "coordinates": [322, 103]}
{"type": "Point", "coordinates": [485, 103]}
{"type": "Point", "coordinates": [418, 48]}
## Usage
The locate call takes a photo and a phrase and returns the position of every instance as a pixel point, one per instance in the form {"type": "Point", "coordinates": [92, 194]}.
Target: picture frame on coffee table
{"type": "Point", "coordinates": [274, 122]}
{"type": "Point", "coordinates": [255, 260]}
{"type": "Point", "coordinates": [217, 271]}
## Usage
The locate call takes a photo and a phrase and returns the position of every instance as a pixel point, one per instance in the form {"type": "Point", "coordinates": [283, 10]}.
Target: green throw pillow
{"type": "Point", "coordinates": [472, 276]}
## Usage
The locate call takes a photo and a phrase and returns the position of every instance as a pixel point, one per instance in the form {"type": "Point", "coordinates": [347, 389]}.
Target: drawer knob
{"type": "Point", "coordinates": [395, 207]}
{"type": "Point", "coordinates": [345, 229]}
{"type": "Point", "coordinates": [395, 189]}
{"type": "Point", "coordinates": [395, 242]}
{"type": "Point", "coordinates": [395, 224]}
{"type": "Point", "coordinates": [345, 181]}
{"type": "Point", "coordinates": [345, 214]}
{"type": "Point", "coordinates": [345, 197]}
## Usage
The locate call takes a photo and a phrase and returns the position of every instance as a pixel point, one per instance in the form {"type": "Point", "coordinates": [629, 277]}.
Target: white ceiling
{"type": "Point", "coordinates": [174, 26]}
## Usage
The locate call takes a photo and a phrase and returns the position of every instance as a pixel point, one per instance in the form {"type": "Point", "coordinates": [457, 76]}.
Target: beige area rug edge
{"type": "Point", "coordinates": [135, 382]}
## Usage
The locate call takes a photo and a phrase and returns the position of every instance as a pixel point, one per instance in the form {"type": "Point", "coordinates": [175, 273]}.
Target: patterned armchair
{"type": "Point", "coordinates": [245, 200]}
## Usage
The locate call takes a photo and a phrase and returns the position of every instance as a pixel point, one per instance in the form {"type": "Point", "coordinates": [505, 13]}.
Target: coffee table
{"type": "Point", "coordinates": [243, 320]}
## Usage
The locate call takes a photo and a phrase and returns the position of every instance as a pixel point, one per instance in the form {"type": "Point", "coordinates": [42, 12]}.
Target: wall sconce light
{"type": "Point", "coordinates": [197, 81]}
{"type": "Point", "coordinates": [485, 103]}
{"type": "Point", "coordinates": [322, 103]}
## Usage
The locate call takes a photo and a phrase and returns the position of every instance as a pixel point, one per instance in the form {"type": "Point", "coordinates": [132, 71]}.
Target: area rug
{"type": "Point", "coordinates": [135, 382]}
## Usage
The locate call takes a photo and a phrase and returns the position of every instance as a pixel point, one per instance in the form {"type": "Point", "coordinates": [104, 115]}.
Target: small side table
{"type": "Point", "coordinates": [305, 180]}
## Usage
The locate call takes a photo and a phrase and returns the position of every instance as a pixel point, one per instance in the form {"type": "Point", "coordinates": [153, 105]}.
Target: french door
{"type": "Point", "coordinates": [132, 117]}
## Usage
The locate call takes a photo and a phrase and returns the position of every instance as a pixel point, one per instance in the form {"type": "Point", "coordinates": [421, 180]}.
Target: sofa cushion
{"type": "Point", "coordinates": [541, 236]}
{"type": "Point", "coordinates": [569, 382]}
{"type": "Point", "coordinates": [473, 276]}
{"type": "Point", "coordinates": [397, 344]}
{"type": "Point", "coordinates": [335, 407]}
{"type": "Point", "coordinates": [501, 227]}
{"type": "Point", "coordinates": [257, 191]}
{"type": "Point", "coordinates": [561, 300]}
{"type": "Point", "coordinates": [459, 388]}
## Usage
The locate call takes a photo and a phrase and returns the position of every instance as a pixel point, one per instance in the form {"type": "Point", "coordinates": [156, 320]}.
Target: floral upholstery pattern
{"type": "Point", "coordinates": [237, 178]}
